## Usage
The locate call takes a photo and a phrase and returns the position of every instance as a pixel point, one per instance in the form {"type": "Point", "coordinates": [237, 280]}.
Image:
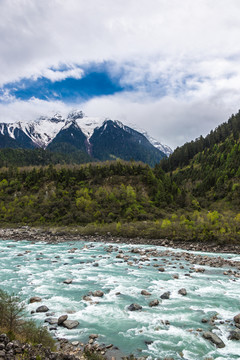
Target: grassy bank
{"type": "Point", "coordinates": [205, 226]}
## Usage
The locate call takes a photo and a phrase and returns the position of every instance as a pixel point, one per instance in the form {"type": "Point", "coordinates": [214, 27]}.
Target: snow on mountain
{"type": "Point", "coordinates": [43, 130]}
{"type": "Point", "coordinates": [164, 148]}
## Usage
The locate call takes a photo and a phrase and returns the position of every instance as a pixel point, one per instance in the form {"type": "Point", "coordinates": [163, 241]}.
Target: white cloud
{"type": "Point", "coordinates": [181, 56]}
{"type": "Point", "coordinates": [56, 75]}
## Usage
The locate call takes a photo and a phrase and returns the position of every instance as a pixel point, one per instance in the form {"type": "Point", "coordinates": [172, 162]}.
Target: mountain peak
{"type": "Point", "coordinates": [75, 114]}
{"type": "Point", "coordinates": [77, 127]}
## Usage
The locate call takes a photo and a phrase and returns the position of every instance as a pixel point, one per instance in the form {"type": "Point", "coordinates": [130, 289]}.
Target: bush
{"type": "Point", "coordinates": [13, 323]}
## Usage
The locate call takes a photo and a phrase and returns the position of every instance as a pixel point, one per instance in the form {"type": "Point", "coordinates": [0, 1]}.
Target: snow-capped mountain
{"type": "Point", "coordinates": [101, 138]}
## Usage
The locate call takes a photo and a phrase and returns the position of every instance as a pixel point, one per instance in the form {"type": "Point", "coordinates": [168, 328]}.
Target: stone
{"type": "Point", "coordinates": [204, 320]}
{"type": "Point", "coordinates": [42, 308]}
{"type": "Point", "coordinates": [237, 319]}
{"type": "Point", "coordinates": [214, 339]}
{"type": "Point", "coordinates": [70, 324]}
{"type": "Point", "coordinates": [165, 295]}
{"type": "Point", "coordinates": [68, 281]}
{"type": "Point", "coordinates": [154, 303]}
{"type": "Point", "coordinates": [161, 269]}
{"type": "Point", "coordinates": [34, 299]}
{"type": "Point", "coordinates": [98, 293]}
{"type": "Point", "coordinates": [145, 292]}
{"type": "Point", "coordinates": [134, 307]}
{"type": "Point", "coordinates": [61, 319]}
{"type": "Point", "coordinates": [234, 335]}
{"type": "Point", "coordinates": [51, 321]}
{"type": "Point", "coordinates": [182, 292]}
{"type": "Point", "coordinates": [75, 343]}
{"type": "Point", "coordinates": [93, 336]}
{"type": "Point", "coordinates": [87, 298]}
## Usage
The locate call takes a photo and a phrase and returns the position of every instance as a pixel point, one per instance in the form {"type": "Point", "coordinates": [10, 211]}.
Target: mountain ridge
{"type": "Point", "coordinates": [81, 133]}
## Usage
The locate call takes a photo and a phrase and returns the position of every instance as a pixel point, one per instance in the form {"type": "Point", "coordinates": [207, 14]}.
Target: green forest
{"type": "Point", "coordinates": [192, 195]}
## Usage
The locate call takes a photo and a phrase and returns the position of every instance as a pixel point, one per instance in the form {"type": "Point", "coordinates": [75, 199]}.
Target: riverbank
{"type": "Point", "coordinates": [58, 235]}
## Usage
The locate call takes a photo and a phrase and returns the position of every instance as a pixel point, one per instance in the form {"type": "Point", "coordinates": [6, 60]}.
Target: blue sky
{"type": "Point", "coordinates": [95, 81]}
{"type": "Point", "coordinates": [169, 67]}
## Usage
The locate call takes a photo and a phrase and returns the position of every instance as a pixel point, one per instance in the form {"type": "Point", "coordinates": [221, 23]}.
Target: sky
{"type": "Point", "coordinates": [171, 67]}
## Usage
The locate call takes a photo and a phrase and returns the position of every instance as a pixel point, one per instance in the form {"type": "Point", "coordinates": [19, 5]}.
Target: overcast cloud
{"type": "Point", "coordinates": [181, 59]}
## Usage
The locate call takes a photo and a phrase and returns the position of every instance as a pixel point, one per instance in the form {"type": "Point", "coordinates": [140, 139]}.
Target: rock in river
{"type": "Point", "coordinates": [145, 292]}
{"type": "Point", "coordinates": [234, 335]}
{"type": "Point", "coordinates": [70, 324]}
{"type": "Point", "coordinates": [182, 292]}
{"type": "Point", "coordinates": [42, 308]}
{"type": "Point", "coordinates": [68, 281]}
{"type": "Point", "coordinates": [34, 299]}
{"type": "Point", "coordinates": [98, 293]}
{"type": "Point", "coordinates": [154, 303]}
{"type": "Point", "coordinates": [61, 319]}
{"type": "Point", "coordinates": [214, 339]}
{"type": "Point", "coordinates": [134, 307]}
{"type": "Point", "coordinates": [237, 319]}
{"type": "Point", "coordinates": [165, 295]}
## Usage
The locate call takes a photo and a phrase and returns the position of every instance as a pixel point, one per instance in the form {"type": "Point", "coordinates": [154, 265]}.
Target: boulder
{"type": "Point", "coordinates": [61, 319]}
{"type": "Point", "coordinates": [237, 319]}
{"type": "Point", "coordinates": [214, 339]}
{"type": "Point", "coordinates": [98, 293]}
{"type": "Point", "coordinates": [161, 269]}
{"type": "Point", "coordinates": [234, 335]}
{"type": "Point", "coordinates": [70, 324]}
{"type": "Point", "coordinates": [182, 292]}
{"type": "Point", "coordinates": [145, 292]}
{"type": "Point", "coordinates": [93, 336]}
{"type": "Point", "coordinates": [34, 299]}
{"type": "Point", "coordinates": [154, 303]}
{"type": "Point", "coordinates": [87, 298]}
{"type": "Point", "coordinates": [51, 321]}
{"type": "Point", "coordinates": [134, 307]}
{"type": "Point", "coordinates": [42, 308]}
{"type": "Point", "coordinates": [75, 343]}
{"type": "Point", "coordinates": [68, 281]}
{"type": "Point", "coordinates": [165, 295]}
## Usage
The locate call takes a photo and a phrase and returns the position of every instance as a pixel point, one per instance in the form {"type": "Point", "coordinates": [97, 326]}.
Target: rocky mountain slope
{"type": "Point", "coordinates": [99, 138]}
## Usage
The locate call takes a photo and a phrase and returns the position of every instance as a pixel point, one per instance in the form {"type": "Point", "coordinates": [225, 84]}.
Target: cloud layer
{"type": "Point", "coordinates": [179, 58]}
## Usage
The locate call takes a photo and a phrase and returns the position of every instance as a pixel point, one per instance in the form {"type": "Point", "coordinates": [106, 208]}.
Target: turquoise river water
{"type": "Point", "coordinates": [39, 269]}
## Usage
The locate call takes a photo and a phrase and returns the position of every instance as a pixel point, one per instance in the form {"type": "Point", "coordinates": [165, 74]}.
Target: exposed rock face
{"type": "Point", "coordinates": [134, 307]}
{"type": "Point", "coordinates": [165, 295]}
{"type": "Point", "coordinates": [61, 319]}
{"type": "Point", "coordinates": [35, 299]}
{"type": "Point", "coordinates": [42, 308]}
{"type": "Point", "coordinates": [70, 324]}
{"type": "Point", "coordinates": [154, 303]}
{"type": "Point", "coordinates": [182, 292]}
{"type": "Point", "coordinates": [214, 339]}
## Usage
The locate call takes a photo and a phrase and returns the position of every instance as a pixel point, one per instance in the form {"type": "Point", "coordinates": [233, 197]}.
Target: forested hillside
{"type": "Point", "coordinates": [209, 168]}
{"type": "Point", "coordinates": [106, 192]}
{"type": "Point", "coordinates": [26, 157]}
